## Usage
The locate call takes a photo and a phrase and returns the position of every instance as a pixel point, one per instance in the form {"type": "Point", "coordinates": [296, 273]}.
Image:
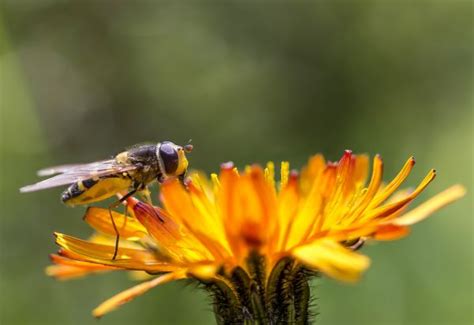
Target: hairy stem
{"type": "Point", "coordinates": [252, 297]}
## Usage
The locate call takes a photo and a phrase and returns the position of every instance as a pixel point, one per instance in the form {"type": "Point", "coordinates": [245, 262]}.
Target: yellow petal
{"type": "Point", "coordinates": [127, 258]}
{"type": "Point", "coordinates": [374, 185]}
{"type": "Point", "coordinates": [332, 258]}
{"type": "Point", "coordinates": [394, 184]}
{"type": "Point", "coordinates": [311, 202]}
{"type": "Point", "coordinates": [270, 173]}
{"type": "Point", "coordinates": [336, 205]}
{"type": "Point", "coordinates": [140, 275]}
{"type": "Point", "coordinates": [390, 209]}
{"type": "Point", "coordinates": [284, 173]}
{"type": "Point", "coordinates": [109, 240]}
{"type": "Point", "coordinates": [61, 260]}
{"type": "Point", "coordinates": [204, 271]}
{"type": "Point", "coordinates": [130, 294]}
{"type": "Point", "coordinates": [427, 208]}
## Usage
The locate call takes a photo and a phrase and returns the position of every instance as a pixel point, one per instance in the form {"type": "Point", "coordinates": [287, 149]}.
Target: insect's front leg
{"type": "Point", "coordinates": [113, 206]}
{"type": "Point", "coordinates": [145, 192]}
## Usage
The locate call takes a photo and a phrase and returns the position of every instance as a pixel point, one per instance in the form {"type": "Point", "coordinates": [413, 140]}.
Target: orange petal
{"type": "Point", "coordinates": [249, 204]}
{"type": "Point", "coordinates": [332, 258]}
{"type": "Point", "coordinates": [361, 169]}
{"type": "Point", "coordinates": [315, 166]}
{"type": "Point", "coordinates": [128, 227]}
{"type": "Point", "coordinates": [288, 201]}
{"type": "Point", "coordinates": [130, 294]}
{"type": "Point", "coordinates": [351, 233]}
{"type": "Point", "coordinates": [188, 206]}
{"type": "Point", "coordinates": [346, 173]}
{"type": "Point", "coordinates": [65, 272]}
{"type": "Point", "coordinates": [178, 203]}
{"type": "Point", "coordinates": [390, 232]}
{"type": "Point", "coordinates": [182, 205]}
{"type": "Point", "coordinates": [158, 223]}
{"type": "Point", "coordinates": [67, 269]}
{"type": "Point", "coordinates": [321, 195]}
{"type": "Point", "coordinates": [177, 241]}
{"type": "Point", "coordinates": [427, 208]}
{"type": "Point", "coordinates": [211, 227]}
{"type": "Point", "coordinates": [266, 195]}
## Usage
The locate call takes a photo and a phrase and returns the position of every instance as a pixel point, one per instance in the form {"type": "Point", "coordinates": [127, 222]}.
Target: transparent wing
{"type": "Point", "coordinates": [66, 168]}
{"type": "Point", "coordinates": [68, 174]}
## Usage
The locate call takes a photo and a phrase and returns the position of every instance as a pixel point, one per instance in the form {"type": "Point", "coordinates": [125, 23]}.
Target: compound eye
{"type": "Point", "coordinates": [169, 157]}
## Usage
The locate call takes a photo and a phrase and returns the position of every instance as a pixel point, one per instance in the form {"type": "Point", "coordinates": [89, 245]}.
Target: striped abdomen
{"type": "Point", "coordinates": [90, 190]}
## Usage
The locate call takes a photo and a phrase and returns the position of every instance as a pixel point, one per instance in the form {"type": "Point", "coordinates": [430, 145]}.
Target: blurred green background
{"type": "Point", "coordinates": [247, 81]}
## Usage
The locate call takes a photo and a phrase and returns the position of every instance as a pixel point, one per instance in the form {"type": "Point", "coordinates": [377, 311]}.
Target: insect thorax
{"type": "Point", "coordinates": [146, 162]}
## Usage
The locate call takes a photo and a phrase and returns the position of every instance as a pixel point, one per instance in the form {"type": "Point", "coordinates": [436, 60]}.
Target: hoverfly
{"type": "Point", "coordinates": [131, 170]}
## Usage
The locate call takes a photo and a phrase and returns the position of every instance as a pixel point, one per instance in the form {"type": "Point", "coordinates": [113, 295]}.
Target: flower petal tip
{"type": "Point", "coordinates": [229, 165]}
{"type": "Point", "coordinates": [435, 203]}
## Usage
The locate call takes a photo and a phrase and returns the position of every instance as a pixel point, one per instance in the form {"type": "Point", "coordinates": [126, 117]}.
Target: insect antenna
{"type": "Point", "coordinates": [188, 147]}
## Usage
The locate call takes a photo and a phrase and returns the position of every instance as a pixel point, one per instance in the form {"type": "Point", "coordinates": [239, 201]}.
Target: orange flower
{"type": "Point", "coordinates": [251, 240]}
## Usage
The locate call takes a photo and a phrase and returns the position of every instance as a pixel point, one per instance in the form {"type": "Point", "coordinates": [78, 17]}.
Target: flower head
{"type": "Point", "coordinates": [251, 240]}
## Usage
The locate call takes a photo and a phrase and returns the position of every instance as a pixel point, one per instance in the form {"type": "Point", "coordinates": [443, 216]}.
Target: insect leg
{"type": "Point", "coordinates": [114, 205]}
{"type": "Point", "coordinates": [146, 195]}
{"type": "Point", "coordinates": [125, 213]}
